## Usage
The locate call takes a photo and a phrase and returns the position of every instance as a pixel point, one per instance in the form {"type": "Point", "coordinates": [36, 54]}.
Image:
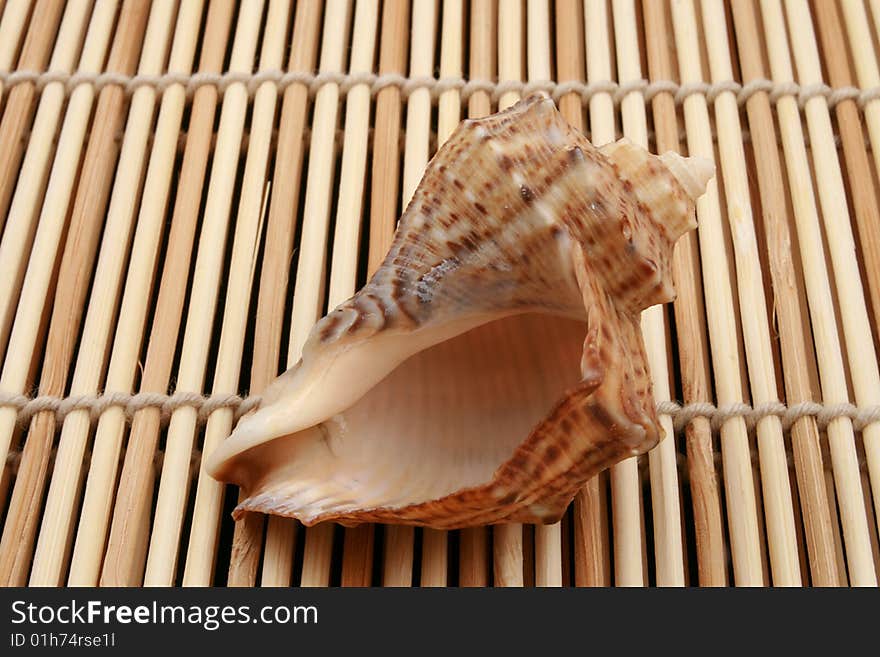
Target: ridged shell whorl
{"type": "Point", "coordinates": [493, 363]}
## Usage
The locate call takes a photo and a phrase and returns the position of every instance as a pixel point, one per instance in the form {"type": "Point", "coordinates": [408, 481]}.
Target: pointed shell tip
{"type": "Point", "coordinates": [692, 173]}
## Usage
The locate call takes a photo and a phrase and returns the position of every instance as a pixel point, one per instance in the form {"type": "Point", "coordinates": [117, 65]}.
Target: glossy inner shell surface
{"type": "Point", "coordinates": [494, 362]}
{"type": "Point", "coordinates": [440, 422]}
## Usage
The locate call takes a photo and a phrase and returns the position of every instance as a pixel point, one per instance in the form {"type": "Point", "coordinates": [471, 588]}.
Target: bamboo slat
{"type": "Point", "coordinates": [272, 298]}
{"type": "Point", "coordinates": [865, 204]}
{"type": "Point", "coordinates": [308, 300]}
{"type": "Point", "coordinates": [626, 504]}
{"type": "Point", "coordinates": [592, 548]}
{"type": "Point", "coordinates": [357, 556]}
{"type": "Point", "coordinates": [788, 300]}
{"type": "Point", "coordinates": [58, 515]}
{"type": "Point", "coordinates": [250, 221]}
{"type": "Point", "coordinates": [18, 112]}
{"type": "Point", "coordinates": [19, 222]}
{"type": "Point", "coordinates": [435, 543]}
{"type": "Point", "coordinates": [755, 325]}
{"type": "Point", "coordinates": [73, 281]}
{"type": "Point", "coordinates": [474, 543]}
{"type": "Point", "coordinates": [130, 536]}
{"type": "Point", "coordinates": [98, 506]}
{"type": "Point", "coordinates": [862, 357]}
{"type": "Point", "coordinates": [358, 544]}
{"type": "Point", "coordinates": [865, 59]}
{"type": "Point", "coordinates": [822, 308]}
{"type": "Point", "coordinates": [548, 538]}
{"type": "Point", "coordinates": [875, 14]}
{"type": "Point", "coordinates": [179, 233]}
{"type": "Point", "coordinates": [507, 538]}
{"type": "Point", "coordinates": [11, 23]}
{"type": "Point", "coordinates": [738, 478]}
{"type": "Point", "coordinates": [173, 483]}
{"type": "Point", "coordinates": [397, 569]}
{"type": "Point", "coordinates": [691, 326]}
{"type": "Point", "coordinates": [664, 477]}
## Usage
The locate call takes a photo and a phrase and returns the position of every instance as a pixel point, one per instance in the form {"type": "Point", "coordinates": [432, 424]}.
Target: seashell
{"type": "Point", "coordinates": [493, 364]}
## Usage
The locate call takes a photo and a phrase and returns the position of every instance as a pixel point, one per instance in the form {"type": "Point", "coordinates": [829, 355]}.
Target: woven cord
{"type": "Point", "coordinates": [681, 415]}
{"type": "Point", "coordinates": [346, 81]}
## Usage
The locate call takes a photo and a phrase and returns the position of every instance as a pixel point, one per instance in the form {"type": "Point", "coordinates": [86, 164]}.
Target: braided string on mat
{"type": "Point", "coordinates": [681, 415]}
{"type": "Point", "coordinates": [283, 79]}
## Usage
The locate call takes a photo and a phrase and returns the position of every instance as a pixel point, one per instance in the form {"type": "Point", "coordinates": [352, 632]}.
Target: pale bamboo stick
{"type": "Point", "coordinates": [840, 558]}
{"type": "Point", "coordinates": [867, 69]}
{"type": "Point", "coordinates": [592, 555]}
{"type": "Point", "coordinates": [862, 356]}
{"type": "Point", "coordinates": [20, 222]}
{"type": "Point", "coordinates": [435, 543]}
{"type": "Point", "coordinates": [386, 153]}
{"type": "Point", "coordinates": [483, 53]}
{"type": "Point", "coordinates": [690, 326]}
{"type": "Point", "coordinates": [756, 481]}
{"type": "Point", "coordinates": [803, 556]}
{"type": "Point", "coordinates": [665, 503]}
{"type": "Point", "coordinates": [597, 28]}
{"type": "Point", "coordinates": [626, 499]}
{"type": "Point", "coordinates": [174, 481]}
{"type": "Point", "coordinates": [357, 559]}
{"type": "Point", "coordinates": [11, 30]}
{"type": "Point", "coordinates": [73, 280]}
{"type": "Point", "coordinates": [398, 557]}
{"type": "Point", "coordinates": [19, 108]}
{"type": "Point", "coordinates": [98, 498]}
{"type": "Point", "coordinates": [473, 542]}
{"type": "Point", "coordinates": [205, 524]}
{"type": "Point", "coordinates": [308, 297]}
{"type": "Point", "coordinates": [875, 14]}
{"type": "Point", "coordinates": [451, 64]}
{"type": "Point", "coordinates": [538, 30]}
{"type": "Point", "coordinates": [507, 538]}
{"type": "Point", "coordinates": [548, 538]}
{"type": "Point", "coordinates": [357, 555]}
{"type": "Point", "coordinates": [418, 108]}
{"type": "Point", "coordinates": [861, 184]}
{"type": "Point", "coordinates": [785, 567]}
{"type": "Point", "coordinates": [510, 48]}
{"type": "Point", "coordinates": [869, 512]}
{"type": "Point", "coordinates": [858, 166]}
{"type": "Point", "coordinates": [738, 478]}
{"type": "Point", "coordinates": [59, 507]}
{"type": "Point", "coordinates": [794, 334]}
{"type": "Point", "coordinates": [271, 303]}
{"type": "Point", "coordinates": [349, 210]}
{"type": "Point", "coordinates": [129, 530]}
{"type": "Point", "coordinates": [828, 347]}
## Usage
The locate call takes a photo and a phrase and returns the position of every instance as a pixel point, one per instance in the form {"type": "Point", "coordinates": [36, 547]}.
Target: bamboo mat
{"type": "Point", "coordinates": [186, 188]}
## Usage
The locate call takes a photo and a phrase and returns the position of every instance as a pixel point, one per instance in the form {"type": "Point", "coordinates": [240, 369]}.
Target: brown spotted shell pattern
{"type": "Point", "coordinates": [493, 364]}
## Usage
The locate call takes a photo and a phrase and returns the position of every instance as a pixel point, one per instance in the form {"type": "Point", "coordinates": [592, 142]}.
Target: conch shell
{"type": "Point", "coordinates": [493, 363]}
